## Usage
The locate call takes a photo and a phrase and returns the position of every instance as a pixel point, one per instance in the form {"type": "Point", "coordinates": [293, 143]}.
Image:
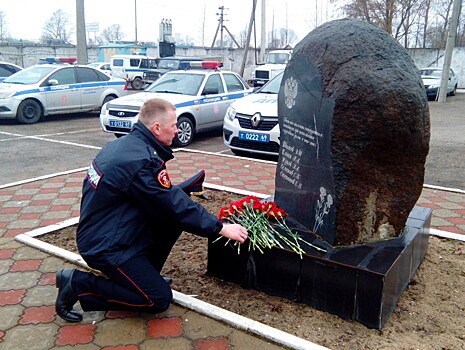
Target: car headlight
{"type": "Point", "coordinates": [6, 94]}
{"type": "Point", "coordinates": [231, 113]}
{"type": "Point", "coordinates": [105, 108]}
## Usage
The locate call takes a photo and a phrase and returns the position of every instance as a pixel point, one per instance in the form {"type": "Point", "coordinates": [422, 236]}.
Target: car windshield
{"type": "Point", "coordinates": [431, 73]}
{"type": "Point", "coordinates": [272, 87]}
{"type": "Point", "coordinates": [277, 58]}
{"type": "Point", "coordinates": [31, 75]}
{"type": "Point", "coordinates": [185, 83]}
{"type": "Point", "coordinates": [168, 64]}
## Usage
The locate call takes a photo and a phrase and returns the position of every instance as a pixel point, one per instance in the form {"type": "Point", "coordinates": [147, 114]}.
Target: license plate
{"type": "Point", "coordinates": [120, 124]}
{"type": "Point", "coordinates": [251, 136]}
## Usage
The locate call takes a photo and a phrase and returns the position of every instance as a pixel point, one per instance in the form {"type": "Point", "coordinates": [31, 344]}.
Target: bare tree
{"type": "Point", "coordinates": [282, 37]}
{"type": "Point", "coordinates": [444, 11]}
{"type": "Point", "coordinates": [111, 34]}
{"type": "Point", "coordinates": [406, 19]}
{"type": "Point", "coordinates": [425, 10]}
{"type": "Point", "coordinates": [378, 12]}
{"type": "Point", "coordinates": [461, 32]}
{"type": "Point", "coordinates": [243, 38]}
{"type": "Point", "coordinates": [57, 27]}
{"type": "Point", "coordinates": [414, 23]}
{"type": "Point", "coordinates": [183, 39]}
{"type": "Point", "coordinates": [3, 26]}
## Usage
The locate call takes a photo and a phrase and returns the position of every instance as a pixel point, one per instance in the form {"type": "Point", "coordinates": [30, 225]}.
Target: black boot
{"type": "Point", "coordinates": [66, 297]}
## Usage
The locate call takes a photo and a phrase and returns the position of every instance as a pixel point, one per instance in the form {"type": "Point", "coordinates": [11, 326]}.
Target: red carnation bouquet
{"type": "Point", "coordinates": [265, 223]}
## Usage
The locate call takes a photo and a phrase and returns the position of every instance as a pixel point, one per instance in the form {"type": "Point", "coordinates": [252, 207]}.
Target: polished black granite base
{"type": "Point", "coordinates": [359, 282]}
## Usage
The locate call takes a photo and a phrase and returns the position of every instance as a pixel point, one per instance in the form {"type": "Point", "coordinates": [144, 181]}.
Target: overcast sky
{"type": "Point", "coordinates": [25, 18]}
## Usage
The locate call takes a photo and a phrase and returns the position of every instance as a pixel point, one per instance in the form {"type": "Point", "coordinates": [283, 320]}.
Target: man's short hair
{"type": "Point", "coordinates": [155, 109]}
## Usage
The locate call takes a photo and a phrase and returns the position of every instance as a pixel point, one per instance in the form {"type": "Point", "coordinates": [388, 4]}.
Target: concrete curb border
{"type": "Point", "coordinates": [275, 335]}
{"type": "Point", "coordinates": [240, 322]}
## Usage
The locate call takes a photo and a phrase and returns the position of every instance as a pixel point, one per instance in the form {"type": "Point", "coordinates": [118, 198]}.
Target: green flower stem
{"type": "Point", "coordinates": [264, 235]}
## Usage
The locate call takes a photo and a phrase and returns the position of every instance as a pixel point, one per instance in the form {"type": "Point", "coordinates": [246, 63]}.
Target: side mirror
{"type": "Point", "coordinates": [52, 82]}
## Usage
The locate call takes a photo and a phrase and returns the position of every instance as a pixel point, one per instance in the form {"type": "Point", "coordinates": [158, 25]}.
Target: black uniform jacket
{"type": "Point", "coordinates": [128, 199]}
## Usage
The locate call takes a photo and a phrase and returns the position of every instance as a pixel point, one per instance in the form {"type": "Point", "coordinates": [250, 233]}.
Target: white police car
{"type": "Point", "coordinates": [7, 69]}
{"type": "Point", "coordinates": [431, 78]}
{"type": "Point", "coordinates": [46, 89]}
{"type": "Point", "coordinates": [102, 66]}
{"type": "Point", "coordinates": [251, 124]}
{"type": "Point", "coordinates": [201, 98]}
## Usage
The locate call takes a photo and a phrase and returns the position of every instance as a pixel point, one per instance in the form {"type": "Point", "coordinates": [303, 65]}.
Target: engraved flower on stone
{"type": "Point", "coordinates": [323, 206]}
{"type": "Point", "coordinates": [290, 92]}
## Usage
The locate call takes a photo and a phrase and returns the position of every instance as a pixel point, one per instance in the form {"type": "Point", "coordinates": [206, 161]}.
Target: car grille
{"type": "Point", "coordinates": [151, 75]}
{"type": "Point", "coordinates": [114, 129]}
{"type": "Point", "coordinates": [256, 146]}
{"type": "Point", "coordinates": [262, 74]}
{"type": "Point", "coordinates": [265, 124]}
{"type": "Point", "coordinates": [126, 114]}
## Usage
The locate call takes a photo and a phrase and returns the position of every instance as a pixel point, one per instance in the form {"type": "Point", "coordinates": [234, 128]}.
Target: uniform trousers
{"type": "Point", "coordinates": [135, 285]}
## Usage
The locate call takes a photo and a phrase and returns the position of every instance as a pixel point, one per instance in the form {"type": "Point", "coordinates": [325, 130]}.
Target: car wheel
{"type": "Point", "coordinates": [453, 92]}
{"type": "Point", "coordinates": [108, 99]}
{"type": "Point", "coordinates": [137, 83]}
{"type": "Point", "coordinates": [29, 112]}
{"type": "Point", "coordinates": [185, 132]}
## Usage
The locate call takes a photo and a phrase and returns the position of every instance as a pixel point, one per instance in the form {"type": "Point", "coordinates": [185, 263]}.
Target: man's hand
{"type": "Point", "coordinates": [235, 232]}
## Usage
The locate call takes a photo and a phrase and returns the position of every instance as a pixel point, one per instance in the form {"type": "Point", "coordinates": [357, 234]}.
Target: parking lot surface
{"type": "Point", "coordinates": [63, 143]}
{"type": "Point", "coordinates": [67, 145]}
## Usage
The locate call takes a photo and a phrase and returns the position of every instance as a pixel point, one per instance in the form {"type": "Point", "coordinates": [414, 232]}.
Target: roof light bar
{"type": "Point", "coordinates": [205, 64]}
{"type": "Point", "coordinates": [59, 59]}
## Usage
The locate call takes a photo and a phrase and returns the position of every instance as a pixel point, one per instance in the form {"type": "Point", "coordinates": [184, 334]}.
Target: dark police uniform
{"type": "Point", "coordinates": [131, 216]}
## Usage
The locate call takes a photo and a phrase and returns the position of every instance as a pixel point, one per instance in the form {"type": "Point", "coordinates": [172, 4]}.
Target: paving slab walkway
{"type": "Point", "coordinates": [27, 275]}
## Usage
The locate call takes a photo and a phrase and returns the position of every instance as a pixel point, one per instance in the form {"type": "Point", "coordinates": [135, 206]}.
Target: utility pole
{"type": "Point", "coordinates": [81, 42]}
{"type": "Point", "coordinates": [263, 34]}
{"type": "Point", "coordinates": [221, 26]}
{"type": "Point", "coordinates": [450, 44]}
{"type": "Point", "coordinates": [247, 41]}
{"type": "Point", "coordinates": [135, 20]}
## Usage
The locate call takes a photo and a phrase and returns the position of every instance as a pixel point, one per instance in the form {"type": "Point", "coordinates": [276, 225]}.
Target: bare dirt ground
{"type": "Point", "coordinates": [429, 315]}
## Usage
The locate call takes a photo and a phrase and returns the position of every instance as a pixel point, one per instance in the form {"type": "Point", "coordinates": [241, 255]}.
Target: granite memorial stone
{"type": "Point", "coordinates": [354, 134]}
{"type": "Point", "coordinates": [354, 125]}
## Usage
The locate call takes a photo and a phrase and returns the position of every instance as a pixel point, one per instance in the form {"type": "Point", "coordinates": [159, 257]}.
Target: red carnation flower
{"type": "Point", "coordinates": [276, 212]}
{"type": "Point", "coordinates": [224, 213]}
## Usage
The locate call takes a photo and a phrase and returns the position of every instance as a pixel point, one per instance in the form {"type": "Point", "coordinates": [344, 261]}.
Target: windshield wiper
{"type": "Point", "coordinates": [168, 92]}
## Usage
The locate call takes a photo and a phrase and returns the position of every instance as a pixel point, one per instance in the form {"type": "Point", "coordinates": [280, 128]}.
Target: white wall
{"type": "Point", "coordinates": [435, 58]}
{"type": "Point", "coordinates": [26, 56]}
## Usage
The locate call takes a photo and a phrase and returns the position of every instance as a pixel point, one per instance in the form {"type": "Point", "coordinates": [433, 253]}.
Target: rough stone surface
{"type": "Point", "coordinates": [380, 126]}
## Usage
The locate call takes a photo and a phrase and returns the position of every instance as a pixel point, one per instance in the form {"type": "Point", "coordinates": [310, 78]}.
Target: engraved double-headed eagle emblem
{"type": "Point", "coordinates": [290, 92]}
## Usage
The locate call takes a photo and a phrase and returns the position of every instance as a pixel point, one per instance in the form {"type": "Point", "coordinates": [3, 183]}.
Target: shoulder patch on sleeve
{"type": "Point", "coordinates": [164, 179]}
{"type": "Point", "coordinates": [94, 175]}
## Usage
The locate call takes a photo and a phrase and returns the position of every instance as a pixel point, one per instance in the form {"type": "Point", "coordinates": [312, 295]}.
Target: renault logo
{"type": "Point", "coordinates": [255, 120]}
{"type": "Point", "coordinates": [121, 114]}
